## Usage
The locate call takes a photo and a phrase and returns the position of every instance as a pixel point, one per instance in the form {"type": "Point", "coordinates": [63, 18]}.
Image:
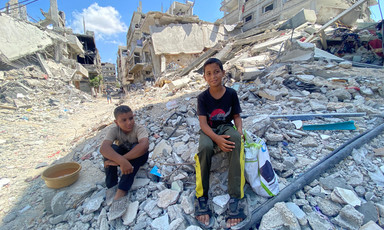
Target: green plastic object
{"type": "Point", "coordinates": [347, 125]}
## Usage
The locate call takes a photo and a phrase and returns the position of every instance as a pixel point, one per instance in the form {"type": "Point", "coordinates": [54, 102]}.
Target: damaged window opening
{"type": "Point", "coordinates": [248, 18]}
{"type": "Point", "coordinates": [268, 8]}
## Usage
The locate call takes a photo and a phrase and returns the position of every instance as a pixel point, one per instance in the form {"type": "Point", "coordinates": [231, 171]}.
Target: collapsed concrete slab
{"type": "Point", "coordinates": [19, 39]}
{"type": "Point", "coordinates": [185, 38]}
{"type": "Point", "coordinates": [300, 18]}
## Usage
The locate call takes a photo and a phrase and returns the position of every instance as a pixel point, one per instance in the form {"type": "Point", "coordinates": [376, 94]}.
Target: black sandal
{"type": "Point", "coordinates": [234, 211]}
{"type": "Point", "coordinates": [202, 208]}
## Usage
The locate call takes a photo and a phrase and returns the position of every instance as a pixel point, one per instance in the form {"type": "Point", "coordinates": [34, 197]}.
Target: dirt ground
{"type": "Point", "coordinates": [45, 137]}
{"type": "Point", "coordinates": [39, 143]}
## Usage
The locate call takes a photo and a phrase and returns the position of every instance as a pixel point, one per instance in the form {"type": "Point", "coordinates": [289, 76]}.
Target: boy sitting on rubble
{"type": "Point", "coordinates": [217, 107]}
{"type": "Point", "coordinates": [130, 153]}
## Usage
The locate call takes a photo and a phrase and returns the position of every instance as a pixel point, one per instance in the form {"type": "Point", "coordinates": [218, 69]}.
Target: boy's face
{"type": "Point", "coordinates": [213, 75]}
{"type": "Point", "coordinates": [125, 121]}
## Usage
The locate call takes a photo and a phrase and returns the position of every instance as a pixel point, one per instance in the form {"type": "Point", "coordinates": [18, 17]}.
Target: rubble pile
{"type": "Point", "coordinates": [273, 84]}
{"type": "Point", "coordinates": [348, 195]}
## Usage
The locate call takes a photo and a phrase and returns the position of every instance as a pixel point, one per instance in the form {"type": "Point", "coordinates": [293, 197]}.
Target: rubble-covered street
{"type": "Point", "coordinates": [66, 124]}
{"type": "Point", "coordinates": [316, 101]}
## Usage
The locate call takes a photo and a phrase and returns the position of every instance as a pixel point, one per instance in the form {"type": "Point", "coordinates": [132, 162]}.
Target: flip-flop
{"type": "Point", "coordinates": [234, 211]}
{"type": "Point", "coordinates": [202, 208]}
{"type": "Point", "coordinates": [194, 221]}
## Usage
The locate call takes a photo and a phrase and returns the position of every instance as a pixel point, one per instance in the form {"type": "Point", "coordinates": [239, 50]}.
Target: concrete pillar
{"type": "Point", "coordinates": [54, 10]}
{"type": "Point", "coordinates": [163, 64]}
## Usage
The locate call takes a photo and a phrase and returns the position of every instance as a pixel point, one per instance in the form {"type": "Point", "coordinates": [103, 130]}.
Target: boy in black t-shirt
{"type": "Point", "coordinates": [217, 107]}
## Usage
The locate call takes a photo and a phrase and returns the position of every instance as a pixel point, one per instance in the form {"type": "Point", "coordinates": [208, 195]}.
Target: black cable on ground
{"type": "Point", "coordinates": [321, 167]}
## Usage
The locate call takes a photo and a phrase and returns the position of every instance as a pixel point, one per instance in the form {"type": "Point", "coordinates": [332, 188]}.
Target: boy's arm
{"type": "Point", "coordinates": [238, 123]}
{"type": "Point", "coordinates": [220, 140]}
{"type": "Point", "coordinates": [107, 151]}
{"type": "Point", "coordinates": [138, 150]}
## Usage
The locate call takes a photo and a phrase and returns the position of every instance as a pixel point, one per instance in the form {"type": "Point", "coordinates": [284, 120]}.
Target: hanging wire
{"type": "Point", "coordinates": [20, 3]}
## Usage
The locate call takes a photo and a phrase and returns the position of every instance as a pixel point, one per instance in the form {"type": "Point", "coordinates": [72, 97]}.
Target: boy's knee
{"type": "Point", "coordinates": [235, 137]}
{"type": "Point", "coordinates": [205, 146]}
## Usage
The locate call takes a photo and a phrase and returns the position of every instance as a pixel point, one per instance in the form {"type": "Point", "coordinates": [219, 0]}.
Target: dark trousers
{"type": "Point", "coordinates": [126, 180]}
{"type": "Point", "coordinates": [203, 161]}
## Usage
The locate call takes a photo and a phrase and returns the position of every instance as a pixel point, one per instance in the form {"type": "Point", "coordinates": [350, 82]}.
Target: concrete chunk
{"type": "Point", "coordinates": [167, 197]}
{"type": "Point", "coordinates": [161, 223]}
{"type": "Point", "coordinates": [130, 215]}
{"type": "Point", "coordinates": [271, 94]}
{"type": "Point", "coordinates": [279, 217]}
{"type": "Point", "coordinates": [346, 196]}
{"type": "Point", "coordinates": [118, 208]}
{"type": "Point", "coordinates": [300, 18]}
{"type": "Point", "coordinates": [349, 218]}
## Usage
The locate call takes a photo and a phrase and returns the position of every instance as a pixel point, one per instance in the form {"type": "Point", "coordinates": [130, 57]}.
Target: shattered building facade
{"type": "Point", "coordinates": [252, 13]}
{"type": "Point", "coordinates": [158, 42]}
{"type": "Point", "coordinates": [24, 43]}
{"type": "Point", "coordinates": [108, 71]}
{"type": "Point", "coordinates": [122, 54]}
{"type": "Point", "coordinates": [90, 60]}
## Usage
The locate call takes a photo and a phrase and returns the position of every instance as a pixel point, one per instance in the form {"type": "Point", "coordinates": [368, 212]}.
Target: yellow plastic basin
{"type": "Point", "coordinates": [61, 175]}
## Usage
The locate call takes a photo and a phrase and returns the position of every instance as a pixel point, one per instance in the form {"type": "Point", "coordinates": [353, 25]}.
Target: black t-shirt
{"type": "Point", "coordinates": [219, 111]}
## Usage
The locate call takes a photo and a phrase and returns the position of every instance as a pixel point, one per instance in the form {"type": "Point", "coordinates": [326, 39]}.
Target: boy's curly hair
{"type": "Point", "coordinates": [121, 109]}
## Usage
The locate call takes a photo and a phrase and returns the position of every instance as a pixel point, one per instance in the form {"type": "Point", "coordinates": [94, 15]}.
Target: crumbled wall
{"type": "Point", "coordinates": [18, 38]}
{"type": "Point", "coordinates": [185, 38]}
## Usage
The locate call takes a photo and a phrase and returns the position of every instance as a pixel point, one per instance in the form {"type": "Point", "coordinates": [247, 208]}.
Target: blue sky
{"type": "Point", "coordinates": [110, 19]}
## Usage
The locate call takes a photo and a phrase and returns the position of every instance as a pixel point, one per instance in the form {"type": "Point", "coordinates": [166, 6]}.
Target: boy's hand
{"type": "Point", "coordinates": [224, 144]}
{"type": "Point", "coordinates": [126, 167]}
{"type": "Point", "coordinates": [108, 163]}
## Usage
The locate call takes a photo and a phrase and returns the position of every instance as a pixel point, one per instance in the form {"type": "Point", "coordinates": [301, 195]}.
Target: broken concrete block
{"type": "Point", "coordinates": [299, 19]}
{"type": "Point", "coordinates": [179, 83]}
{"type": "Point", "coordinates": [161, 223]}
{"type": "Point", "coordinates": [94, 202]}
{"type": "Point", "coordinates": [349, 218]}
{"type": "Point", "coordinates": [345, 64]}
{"type": "Point", "coordinates": [270, 94]}
{"type": "Point", "coordinates": [318, 222]}
{"type": "Point", "coordinates": [299, 214]}
{"type": "Point", "coordinates": [152, 209]}
{"type": "Point", "coordinates": [345, 196]}
{"type": "Point", "coordinates": [279, 217]}
{"type": "Point", "coordinates": [162, 149]}
{"type": "Point", "coordinates": [370, 226]}
{"type": "Point", "coordinates": [251, 73]}
{"type": "Point", "coordinates": [58, 203]}
{"type": "Point", "coordinates": [221, 201]}
{"type": "Point", "coordinates": [130, 215]}
{"type": "Point", "coordinates": [118, 208]}
{"type": "Point", "coordinates": [167, 197]}
{"type": "Point", "coordinates": [139, 183]}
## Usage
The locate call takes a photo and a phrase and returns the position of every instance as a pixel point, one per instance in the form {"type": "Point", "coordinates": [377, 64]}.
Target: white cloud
{"type": "Point", "coordinates": [104, 21]}
{"type": "Point", "coordinates": [115, 42]}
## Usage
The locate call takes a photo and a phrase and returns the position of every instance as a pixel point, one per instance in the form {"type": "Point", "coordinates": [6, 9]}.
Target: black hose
{"type": "Point", "coordinates": [328, 162]}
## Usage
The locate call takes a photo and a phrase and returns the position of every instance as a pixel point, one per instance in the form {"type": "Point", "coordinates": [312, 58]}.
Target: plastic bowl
{"type": "Point", "coordinates": [61, 175]}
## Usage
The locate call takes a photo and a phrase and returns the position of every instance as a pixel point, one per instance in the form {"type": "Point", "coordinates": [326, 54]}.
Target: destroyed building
{"type": "Point", "coordinates": [283, 91]}
{"type": "Point", "coordinates": [108, 71]}
{"type": "Point", "coordinates": [122, 54]}
{"type": "Point", "coordinates": [25, 43]}
{"type": "Point", "coordinates": [158, 42]}
{"type": "Point", "coordinates": [91, 58]}
{"type": "Point", "coordinates": [250, 14]}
